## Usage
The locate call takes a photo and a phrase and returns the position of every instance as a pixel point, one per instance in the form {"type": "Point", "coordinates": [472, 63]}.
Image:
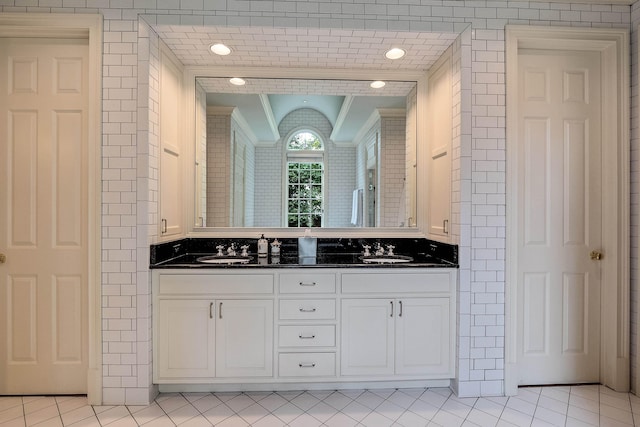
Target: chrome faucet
{"type": "Point", "coordinates": [379, 249]}
{"type": "Point", "coordinates": [231, 250]}
{"type": "Point", "coordinates": [366, 250]}
{"type": "Point", "coordinates": [244, 250]}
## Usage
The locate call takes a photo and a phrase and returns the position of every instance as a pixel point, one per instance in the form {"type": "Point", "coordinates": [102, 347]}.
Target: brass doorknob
{"type": "Point", "coordinates": [595, 255]}
{"type": "Point", "coordinates": [3, 258]}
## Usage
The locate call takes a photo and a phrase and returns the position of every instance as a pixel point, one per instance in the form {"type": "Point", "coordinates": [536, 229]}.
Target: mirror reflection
{"type": "Point", "coordinates": [305, 153]}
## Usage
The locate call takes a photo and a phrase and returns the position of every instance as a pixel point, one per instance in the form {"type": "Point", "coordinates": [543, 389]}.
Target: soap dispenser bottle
{"type": "Point", "coordinates": [263, 246]}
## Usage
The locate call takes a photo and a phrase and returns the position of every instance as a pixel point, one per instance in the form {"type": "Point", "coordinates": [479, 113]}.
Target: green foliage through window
{"type": "Point", "coordinates": [304, 141]}
{"type": "Point", "coordinates": [304, 194]}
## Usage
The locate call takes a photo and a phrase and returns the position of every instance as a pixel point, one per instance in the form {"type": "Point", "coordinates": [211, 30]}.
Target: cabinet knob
{"type": "Point", "coordinates": [3, 258]}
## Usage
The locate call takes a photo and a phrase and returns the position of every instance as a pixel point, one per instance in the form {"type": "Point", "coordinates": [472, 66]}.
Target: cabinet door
{"type": "Point", "coordinates": [244, 338]}
{"type": "Point", "coordinates": [422, 336]}
{"type": "Point", "coordinates": [367, 337]}
{"type": "Point", "coordinates": [171, 202]}
{"type": "Point", "coordinates": [185, 339]}
{"type": "Point", "coordinates": [440, 132]}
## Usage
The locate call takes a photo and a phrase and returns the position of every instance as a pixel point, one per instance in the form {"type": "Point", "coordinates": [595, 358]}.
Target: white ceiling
{"type": "Point", "coordinates": [302, 48]}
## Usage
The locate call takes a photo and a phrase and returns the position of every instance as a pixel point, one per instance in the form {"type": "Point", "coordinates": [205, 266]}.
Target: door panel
{"type": "Point", "coordinates": [422, 350]}
{"type": "Point", "coordinates": [186, 339]}
{"type": "Point", "coordinates": [43, 216]}
{"type": "Point", "coordinates": [244, 338]}
{"type": "Point", "coordinates": [559, 198]}
{"type": "Point", "coordinates": [367, 337]}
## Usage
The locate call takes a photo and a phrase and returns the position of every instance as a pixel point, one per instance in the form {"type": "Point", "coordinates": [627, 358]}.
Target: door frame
{"type": "Point", "coordinates": [86, 26]}
{"type": "Point", "coordinates": [613, 44]}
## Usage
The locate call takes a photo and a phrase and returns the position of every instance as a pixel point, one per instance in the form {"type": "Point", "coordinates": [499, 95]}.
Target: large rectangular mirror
{"type": "Point", "coordinates": [305, 153]}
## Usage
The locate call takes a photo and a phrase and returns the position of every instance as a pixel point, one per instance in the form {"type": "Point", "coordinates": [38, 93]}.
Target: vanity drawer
{"type": "Point", "coordinates": [307, 336]}
{"type": "Point", "coordinates": [171, 284]}
{"type": "Point", "coordinates": [307, 364]}
{"type": "Point", "coordinates": [396, 282]}
{"type": "Point", "coordinates": [307, 283]}
{"type": "Point", "coordinates": [307, 309]}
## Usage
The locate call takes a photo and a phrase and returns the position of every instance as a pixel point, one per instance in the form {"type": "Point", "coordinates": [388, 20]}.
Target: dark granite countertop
{"type": "Point", "coordinates": [332, 253]}
{"type": "Point", "coordinates": [321, 261]}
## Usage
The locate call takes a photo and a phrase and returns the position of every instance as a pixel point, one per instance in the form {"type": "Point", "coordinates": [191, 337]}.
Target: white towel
{"type": "Point", "coordinates": [356, 208]}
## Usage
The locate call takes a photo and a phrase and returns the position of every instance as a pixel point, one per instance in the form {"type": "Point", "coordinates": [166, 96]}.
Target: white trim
{"type": "Point", "coordinates": [344, 110]}
{"type": "Point", "coordinates": [268, 111]}
{"type": "Point", "coordinates": [90, 27]}
{"type": "Point", "coordinates": [614, 47]}
{"type": "Point", "coordinates": [636, 361]}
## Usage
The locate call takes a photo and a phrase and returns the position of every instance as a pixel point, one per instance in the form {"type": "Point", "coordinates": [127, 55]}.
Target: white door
{"type": "Point", "coordinates": [244, 338]}
{"type": "Point", "coordinates": [367, 337]}
{"type": "Point", "coordinates": [186, 340]}
{"type": "Point", "coordinates": [559, 197]}
{"type": "Point", "coordinates": [43, 216]}
{"type": "Point", "coordinates": [422, 336]}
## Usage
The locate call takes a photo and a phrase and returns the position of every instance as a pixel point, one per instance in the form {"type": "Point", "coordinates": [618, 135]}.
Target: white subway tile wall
{"type": "Point", "coordinates": [218, 170]}
{"type": "Point", "coordinates": [392, 171]}
{"type": "Point", "coordinates": [130, 151]}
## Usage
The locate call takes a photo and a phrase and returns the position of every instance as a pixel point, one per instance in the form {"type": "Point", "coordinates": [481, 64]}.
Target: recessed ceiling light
{"type": "Point", "coordinates": [377, 84]}
{"type": "Point", "coordinates": [237, 81]}
{"type": "Point", "coordinates": [395, 53]}
{"type": "Point", "coordinates": [220, 49]}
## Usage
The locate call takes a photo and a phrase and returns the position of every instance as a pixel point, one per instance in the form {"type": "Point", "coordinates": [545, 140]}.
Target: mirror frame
{"type": "Point", "coordinates": [420, 77]}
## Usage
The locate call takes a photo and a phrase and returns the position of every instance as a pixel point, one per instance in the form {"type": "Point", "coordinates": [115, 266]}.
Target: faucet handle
{"type": "Point", "coordinates": [244, 250]}
{"type": "Point", "coordinates": [366, 250]}
{"type": "Point", "coordinates": [220, 248]}
{"type": "Point", "coordinates": [390, 249]}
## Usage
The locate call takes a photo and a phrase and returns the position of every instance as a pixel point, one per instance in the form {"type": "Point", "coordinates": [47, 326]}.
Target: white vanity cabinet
{"type": "Point", "coordinates": [307, 325]}
{"type": "Point", "coordinates": [395, 336]}
{"type": "Point", "coordinates": [284, 328]}
{"type": "Point", "coordinates": [212, 327]}
{"type": "Point", "coordinates": [406, 330]}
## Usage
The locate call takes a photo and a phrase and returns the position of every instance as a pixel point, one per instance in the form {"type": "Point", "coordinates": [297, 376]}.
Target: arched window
{"type": "Point", "coordinates": [305, 180]}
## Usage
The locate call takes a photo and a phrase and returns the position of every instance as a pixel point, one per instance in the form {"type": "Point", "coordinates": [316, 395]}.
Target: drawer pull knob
{"type": "Point", "coordinates": [307, 310]}
{"type": "Point", "coordinates": [306, 337]}
{"type": "Point", "coordinates": [307, 283]}
{"type": "Point", "coordinates": [307, 365]}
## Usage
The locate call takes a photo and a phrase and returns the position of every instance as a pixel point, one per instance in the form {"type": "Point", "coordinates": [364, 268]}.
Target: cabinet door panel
{"type": "Point", "coordinates": [171, 194]}
{"type": "Point", "coordinates": [367, 337]}
{"type": "Point", "coordinates": [185, 339]}
{"type": "Point", "coordinates": [422, 336]}
{"type": "Point", "coordinates": [244, 338]}
{"type": "Point", "coordinates": [441, 132]}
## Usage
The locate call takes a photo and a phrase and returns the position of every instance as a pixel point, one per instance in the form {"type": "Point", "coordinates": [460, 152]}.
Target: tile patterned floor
{"type": "Point", "coordinates": [589, 405]}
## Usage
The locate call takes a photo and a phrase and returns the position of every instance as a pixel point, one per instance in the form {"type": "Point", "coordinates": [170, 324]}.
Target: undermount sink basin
{"type": "Point", "coordinates": [216, 259]}
{"type": "Point", "coordinates": [385, 259]}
